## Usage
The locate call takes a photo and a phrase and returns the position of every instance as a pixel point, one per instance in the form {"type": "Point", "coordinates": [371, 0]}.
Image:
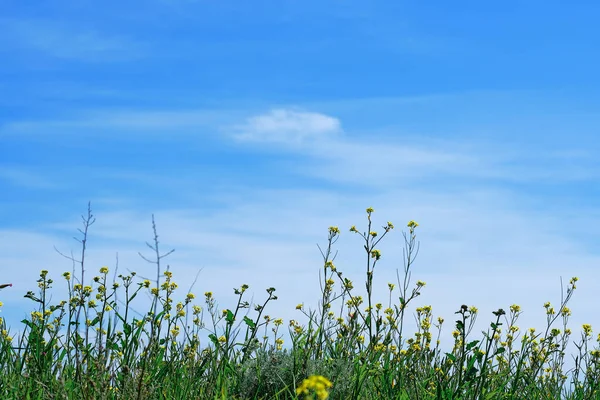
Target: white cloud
{"type": "Point", "coordinates": [121, 122]}
{"type": "Point", "coordinates": [287, 126]}
{"type": "Point", "coordinates": [66, 41]}
{"type": "Point", "coordinates": [26, 178]}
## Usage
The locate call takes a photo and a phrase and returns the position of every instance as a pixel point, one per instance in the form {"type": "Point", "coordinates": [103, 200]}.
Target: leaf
{"type": "Point", "coordinates": [127, 329]}
{"type": "Point", "coordinates": [451, 357]}
{"type": "Point", "coordinates": [28, 323]}
{"type": "Point", "coordinates": [471, 362]}
{"type": "Point", "coordinates": [472, 344]}
{"type": "Point", "coordinates": [229, 318]}
{"type": "Point", "coordinates": [159, 316]}
{"type": "Point", "coordinates": [249, 322]}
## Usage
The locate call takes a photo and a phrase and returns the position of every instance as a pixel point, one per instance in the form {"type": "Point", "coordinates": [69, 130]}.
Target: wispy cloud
{"type": "Point", "coordinates": [395, 154]}
{"type": "Point", "coordinates": [128, 122]}
{"type": "Point", "coordinates": [26, 178]}
{"type": "Point", "coordinates": [288, 126]}
{"type": "Point", "coordinates": [68, 41]}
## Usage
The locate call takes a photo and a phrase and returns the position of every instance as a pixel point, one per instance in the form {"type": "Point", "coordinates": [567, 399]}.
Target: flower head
{"type": "Point", "coordinates": [318, 383]}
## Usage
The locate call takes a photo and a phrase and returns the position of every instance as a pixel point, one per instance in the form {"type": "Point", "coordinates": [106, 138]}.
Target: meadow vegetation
{"type": "Point", "coordinates": [93, 345]}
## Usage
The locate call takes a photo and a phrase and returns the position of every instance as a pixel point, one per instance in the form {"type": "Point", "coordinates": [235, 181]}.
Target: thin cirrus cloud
{"type": "Point", "coordinates": [65, 41]}
{"type": "Point", "coordinates": [121, 122]}
{"type": "Point", "coordinates": [287, 126]}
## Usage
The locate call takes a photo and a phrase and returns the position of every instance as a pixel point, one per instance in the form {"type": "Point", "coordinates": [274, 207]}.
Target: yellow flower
{"type": "Point", "coordinates": [317, 383]}
{"type": "Point", "coordinates": [412, 224]}
{"type": "Point", "coordinates": [190, 296]}
{"type": "Point", "coordinates": [104, 270]}
{"type": "Point", "coordinates": [587, 329]}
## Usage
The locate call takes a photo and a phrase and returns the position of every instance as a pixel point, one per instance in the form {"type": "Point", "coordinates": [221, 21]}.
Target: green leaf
{"type": "Point", "coordinates": [471, 362]}
{"type": "Point", "coordinates": [451, 356]}
{"type": "Point", "coordinates": [127, 329]}
{"type": "Point", "coordinates": [229, 318]}
{"type": "Point", "coordinates": [249, 322]}
{"type": "Point", "coordinates": [472, 344]}
{"type": "Point", "coordinates": [159, 316]}
{"type": "Point", "coordinates": [28, 323]}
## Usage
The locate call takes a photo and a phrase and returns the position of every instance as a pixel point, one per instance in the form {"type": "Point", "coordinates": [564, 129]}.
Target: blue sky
{"type": "Point", "coordinates": [248, 128]}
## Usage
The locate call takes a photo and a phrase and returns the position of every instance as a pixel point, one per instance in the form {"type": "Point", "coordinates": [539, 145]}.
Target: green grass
{"type": "Point", "coordinates": [92, 345]}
